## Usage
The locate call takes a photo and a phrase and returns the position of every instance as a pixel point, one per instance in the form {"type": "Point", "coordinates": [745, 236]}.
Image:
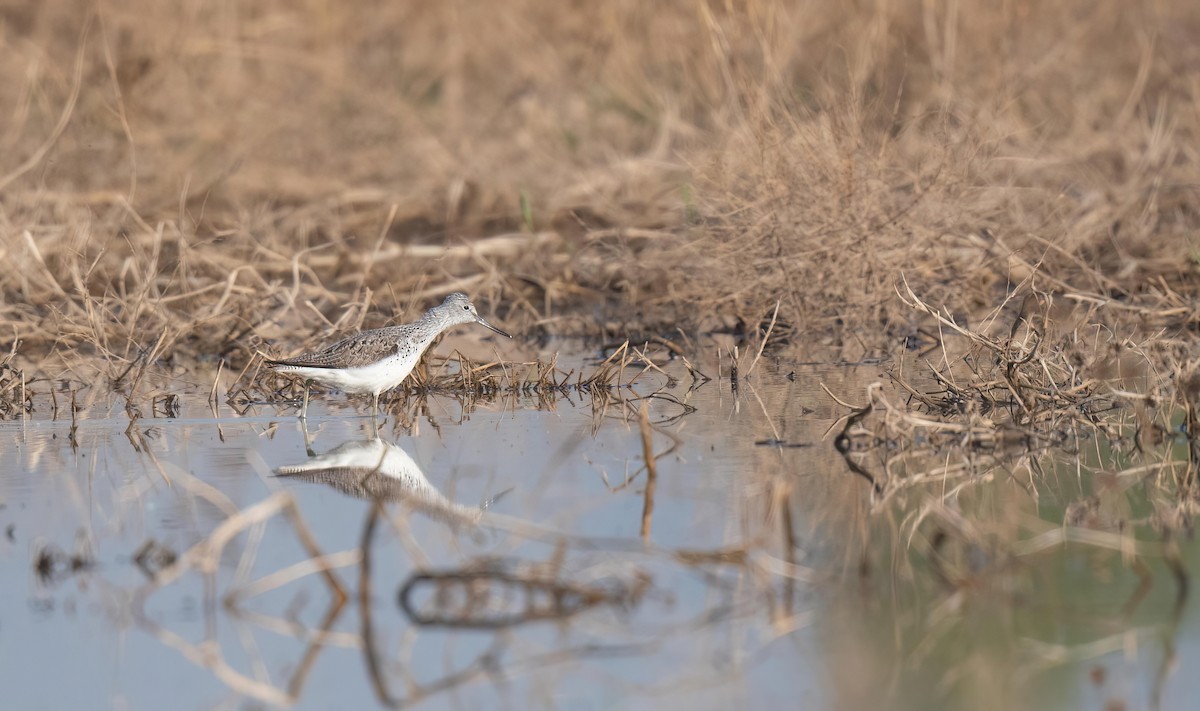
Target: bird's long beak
{"type": "Point", "coordinates": [479, 320]}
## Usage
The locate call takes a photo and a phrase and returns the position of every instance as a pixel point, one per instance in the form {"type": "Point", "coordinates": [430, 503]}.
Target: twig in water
{"type": "Point", "coordinates": [651, 471]}
{"type": "Point", "coordinates": [766, 338]}
{"type": "Point", "coordinates": [212, 394]}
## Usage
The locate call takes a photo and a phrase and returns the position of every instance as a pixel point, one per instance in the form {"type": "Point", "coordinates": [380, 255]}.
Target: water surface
{"type": "Point", "coordinates": [765, 573]}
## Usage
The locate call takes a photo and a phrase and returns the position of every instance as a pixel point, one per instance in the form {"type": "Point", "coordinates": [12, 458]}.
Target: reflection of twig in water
{"type": "Point", "coordinates": [489, 661]}
{"type": "Point", "coordinates": [909, 437]}
{"type": "Point", "coordinates": [651, 471]}
{"type": "Point", "coordinates": [498, 595]}
{"type": "Point", "coordinates": [152, 557]}
{"type": "Point", "coordinates": [685, 409]}
{"type": "Point", "coordinates": [788, 530]}
{"type": "Point", "coordinates": [485, 662]}
{"type": "Point", "coordinates": [843, 443]}
{"type": "Point", "coordinates": [1060, 654]}
{"type": "Point", "coordinates": [1145, 584]}
{"type": "Point", "coordinates": [1169, 654]}
{"type": "Point", "coordinates": [53, 565]}
{"type": "Point", "coordinates": [204, 557]}
{"type": "Point", "coordinates": [488, 597]}
{"type": "Point", "coordinates": [315, 645]}
{"type": "Point", "coordinates": [645, 426]}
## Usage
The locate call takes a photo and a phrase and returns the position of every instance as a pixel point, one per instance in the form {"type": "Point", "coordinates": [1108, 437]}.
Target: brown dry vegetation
{"type": "Point", "coordinates": [184, 180]}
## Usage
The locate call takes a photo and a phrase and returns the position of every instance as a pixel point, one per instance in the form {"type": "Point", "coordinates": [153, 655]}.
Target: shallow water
{"type": "Point", "coordinates": [766, 574]}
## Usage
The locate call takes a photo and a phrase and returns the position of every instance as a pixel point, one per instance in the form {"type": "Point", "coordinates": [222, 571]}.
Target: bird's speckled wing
{"type": "Point", "coordinates": [355, 351]}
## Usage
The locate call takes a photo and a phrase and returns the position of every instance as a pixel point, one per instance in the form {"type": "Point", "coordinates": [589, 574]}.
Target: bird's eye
{"type": "Point", "coordinates": [466, 308]}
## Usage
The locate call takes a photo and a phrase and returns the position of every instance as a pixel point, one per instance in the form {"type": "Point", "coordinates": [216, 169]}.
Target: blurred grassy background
{"type": "Point", "coordinates": [596, 168]}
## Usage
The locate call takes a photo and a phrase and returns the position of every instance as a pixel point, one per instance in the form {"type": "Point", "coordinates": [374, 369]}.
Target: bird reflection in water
{"type": "Point", "coordinates": [379, 471]}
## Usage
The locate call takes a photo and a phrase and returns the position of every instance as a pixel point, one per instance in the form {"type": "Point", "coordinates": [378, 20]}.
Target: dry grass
{"type": "Point", "coordinates": [1052, 389]}
{"type": "Point", "coordinates": [186, 182]}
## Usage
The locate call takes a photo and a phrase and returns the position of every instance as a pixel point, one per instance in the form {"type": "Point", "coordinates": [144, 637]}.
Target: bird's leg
{"type": "Point", "coordinates": [375, 416]}
{"type": "Point", "coordinates": [304, 407]}
{"type": "Point", "coordinates": [307, 440]}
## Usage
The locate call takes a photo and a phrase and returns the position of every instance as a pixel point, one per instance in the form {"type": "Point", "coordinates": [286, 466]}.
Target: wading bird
{"type": "Point", "coordinates": [380, 359]}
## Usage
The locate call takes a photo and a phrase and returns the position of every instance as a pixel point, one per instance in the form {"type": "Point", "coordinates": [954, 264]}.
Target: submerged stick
{"type": "Point", "coordinates": [651, 472]}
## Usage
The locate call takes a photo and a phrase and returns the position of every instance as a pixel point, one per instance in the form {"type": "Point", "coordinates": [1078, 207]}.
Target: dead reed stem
{"type": "Point", "coordinates": [766, 337]}
{"type": "Point", "coordinates": [651, 469]}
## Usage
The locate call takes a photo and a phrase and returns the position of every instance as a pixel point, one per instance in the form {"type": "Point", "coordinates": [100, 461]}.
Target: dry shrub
{"type": "Point", "coordinates": [1016, 400]}
{"type": "Point", "coordinates": [208, 171]}
{"type": "Point", "coordinates": [966, 146]}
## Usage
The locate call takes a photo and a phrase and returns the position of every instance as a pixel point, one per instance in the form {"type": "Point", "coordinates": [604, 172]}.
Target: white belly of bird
{"type": "Point", "coordinates": [375, 378]}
